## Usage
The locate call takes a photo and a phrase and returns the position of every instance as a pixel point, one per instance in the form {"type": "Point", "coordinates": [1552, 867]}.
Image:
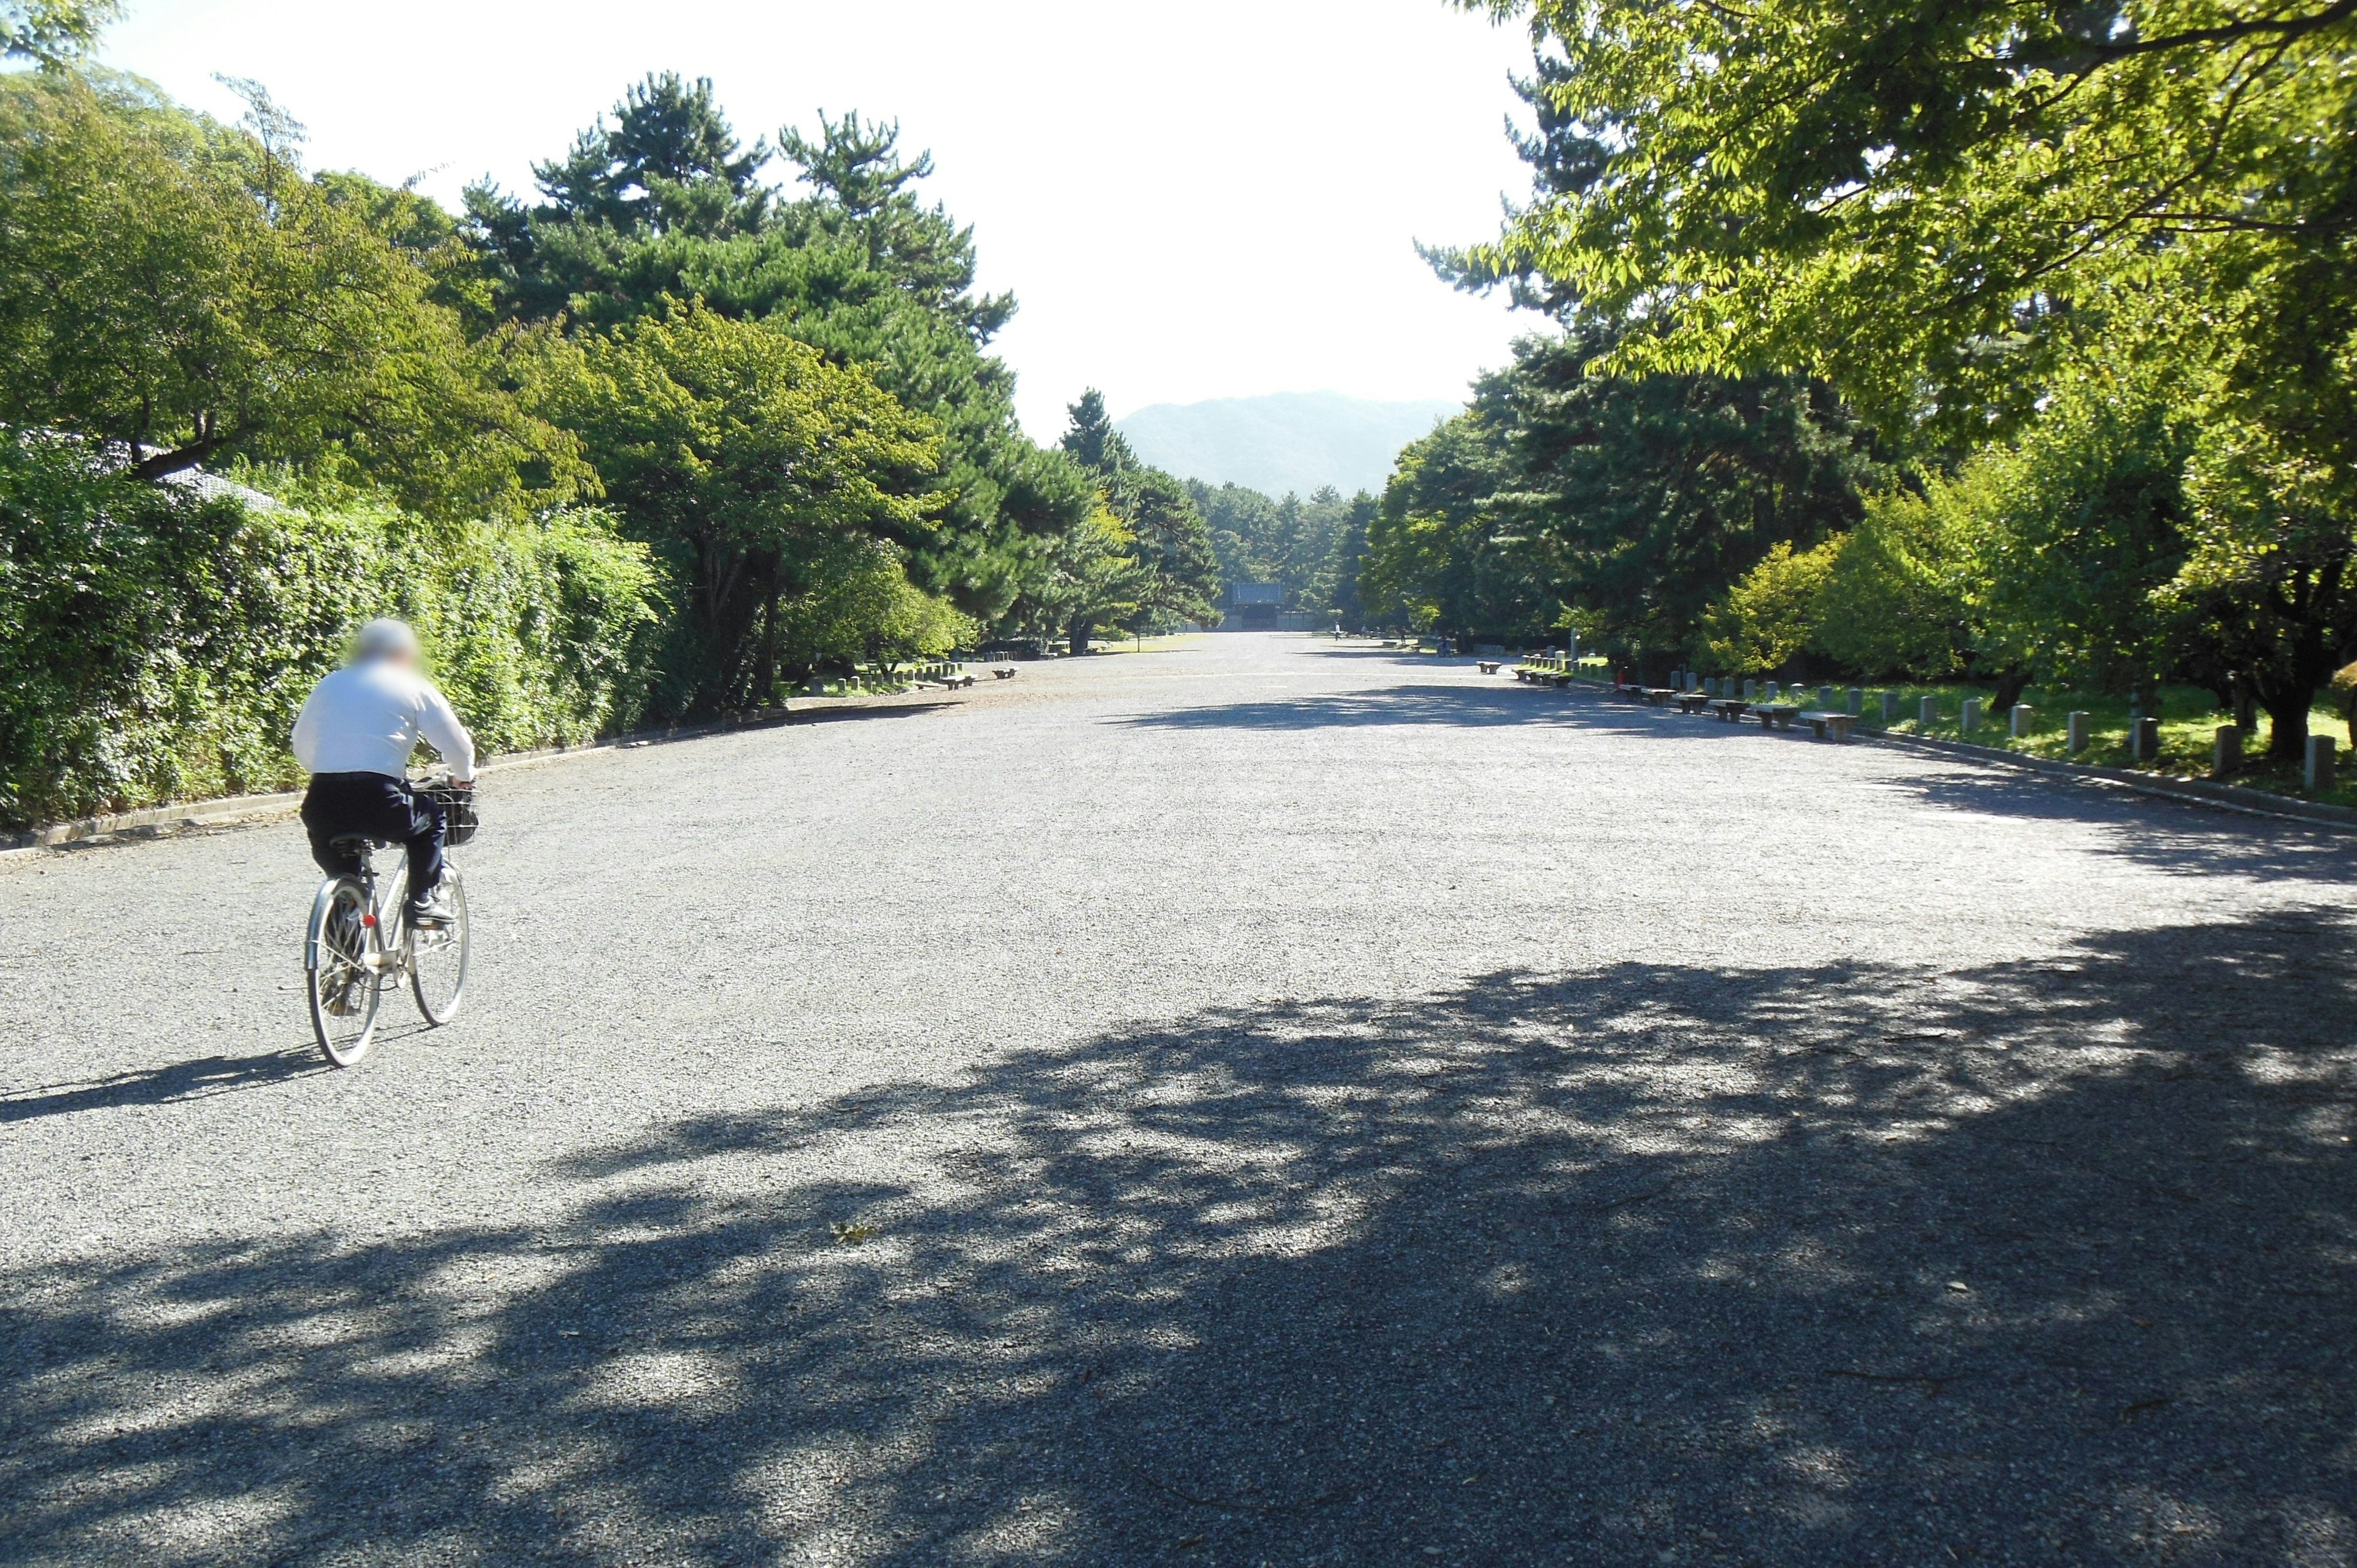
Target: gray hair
{"type": "Point", "coordinates": [385, 637]}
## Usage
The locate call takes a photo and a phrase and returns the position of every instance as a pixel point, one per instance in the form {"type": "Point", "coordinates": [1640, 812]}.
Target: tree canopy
{"type": "Point", "coordinates": [1142, 560]}
{"type": "Point", "coordinates": [1975, 223]}
{"type": "Point", "coordinates": [663, 201]}
{"type": "Point", "coordinates": [763, 472]}
{"type": "Point", "coordinates": [182, 288]}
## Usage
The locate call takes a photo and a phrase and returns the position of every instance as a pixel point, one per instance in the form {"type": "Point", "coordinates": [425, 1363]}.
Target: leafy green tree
{"type": "Point", "coordinates": [1943, 208]}
{"type": "Point", "coordinates": [668, 164]}
{"type": "Point", "coordinates": [1772, 612]}
{"type": "Point", "coordinates": [181, 288]}
{"type": "Point", "coordinates": [1644, 498]}
{"type": "Point", "coordinates": [1338, 583]}
{"type": "Point", "coordinates": [1148, 523]}
{"type": "Point", "coordinates": [856, 603]}
{"type": "Point", "coordinates": [1085, 579]}
{"type": "Point", "coordinates": [1245, 526]}
{"type": "Point", "coordinates": [1909, 197]}
{"type": "Point", "coordinates": [1901, 597]}
{"type": "Point", "coordinates": [1621, 506]}
{"type": "Point", "coordinates": [860, 267]}
{"type": "Point", "coordinates": [53, 32]}
{"type": "Point", "coordinates": [1439, 553]}
{"type": "Point", "coordinates": [1290, 541]}
{"type": "Point", "coordinates": [2268, 594]}
{"type": "Point", "coordinates": [2047, 558]}
{"type": "Point", "coordinates": [1178, 575]}
{"type": "Point", "coordinates": [2079, 528]}
{"type": "Point", "coordinates": [749, 464]}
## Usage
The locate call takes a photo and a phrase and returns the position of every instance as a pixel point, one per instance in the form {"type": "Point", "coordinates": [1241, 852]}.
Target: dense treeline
{"type": "Point", "coordinates": [1313, 547]}
{"type": "Point", "coordinates": [716, 432]}
{"type": "Point", "coordinates": [2009, 342]}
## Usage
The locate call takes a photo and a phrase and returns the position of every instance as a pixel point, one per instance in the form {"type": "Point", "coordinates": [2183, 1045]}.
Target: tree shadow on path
{"type": "Point", "coordinates": [2176, 836]}
{"type": "Point", "coordinates": [2039, 1262]}
{"type": "Point", "coordinates": [1433, 705]}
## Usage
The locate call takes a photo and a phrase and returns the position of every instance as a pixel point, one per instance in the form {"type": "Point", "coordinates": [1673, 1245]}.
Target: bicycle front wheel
{"type": "Point", "coordinates": [337, 962]}
{"type": "Point", "coordinates": [437, 958]}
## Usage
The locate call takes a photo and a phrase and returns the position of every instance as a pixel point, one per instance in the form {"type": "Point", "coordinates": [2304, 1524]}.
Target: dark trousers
{"type": "Point", "coordinates": [374, 806]}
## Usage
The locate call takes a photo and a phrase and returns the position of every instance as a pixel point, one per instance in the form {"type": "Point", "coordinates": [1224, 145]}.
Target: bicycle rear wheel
{"type": "Point", "coordinates": [437, 959]}
{"type": "Point", "coordinates": [342, 984]}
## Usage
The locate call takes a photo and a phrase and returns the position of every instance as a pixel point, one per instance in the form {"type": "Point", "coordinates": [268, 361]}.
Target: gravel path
{"type": "Point", "coordinates": [1245, 1103]}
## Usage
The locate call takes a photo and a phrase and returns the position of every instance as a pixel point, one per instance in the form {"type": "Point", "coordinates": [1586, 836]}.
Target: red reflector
{"type": "Point", "coordinates": [369, 920]}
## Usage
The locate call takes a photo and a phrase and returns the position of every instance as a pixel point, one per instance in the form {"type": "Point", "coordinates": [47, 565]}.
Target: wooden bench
{"type": "Point", "coordinates": [1489, 666]}
{"type": "Point", "coordinates": [1838, 725]}
{"type": "Point", "coordinates": [1659, 696]}
{"type": "Point", "coordinates": [1777, 715]}
{"type": "Point", "coordinates": [1731, 709]}
{"type": "Point", "coordinates": [1694, 701]}
{"type": "Point", "coordinates": [956, 681]}
{"type": "Point", "coordinates": [1004, 672]}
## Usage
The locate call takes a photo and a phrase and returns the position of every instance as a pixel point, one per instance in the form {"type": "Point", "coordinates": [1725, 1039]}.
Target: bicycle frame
{"type": "Point", "coordinates": [388, 950]}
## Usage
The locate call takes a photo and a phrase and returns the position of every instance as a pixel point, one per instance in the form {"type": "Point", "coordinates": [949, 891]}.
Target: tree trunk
{"type": "Point", "coordinates": [2010, 685]}
{"type": "Point", "coordinates": [2288, 723]}
{"type": "Point", "coordinates": [1081, 628]}
{"type": "Point", "coordinates": [765, 673]}
{"type": "Point", "coordinates": [2288, 690]}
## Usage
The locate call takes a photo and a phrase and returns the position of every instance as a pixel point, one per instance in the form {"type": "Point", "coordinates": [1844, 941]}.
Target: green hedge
{"type": "Point", "coordinates": [156, 645]}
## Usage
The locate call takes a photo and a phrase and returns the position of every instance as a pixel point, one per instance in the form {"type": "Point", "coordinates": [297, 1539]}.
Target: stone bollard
{"type": "Point", "coordinates": [1890, 707]}
{"type": "Point", "coordinates": [2022, 712]}
{"type": "Point", "coordinates": [2318, 776]}
{"type": "Point", "coordinates": [1928, 714]}
{"type": "Point", "coordinates": [2226, 751]}
{"type": "Point", "coordinates": [2078, 743]}
{"type": "Point", "coordinates": [1750, 690]}
{"type": "Point", "coordinates": [1775, 692]}
{"type": "Point", "coordinates": [1856, 701]}
{"type": "Point", "coordinates": [1968, 717]}
{"type": "Point", "coordinates": [1825, 698]}
{"type": "Point", "coordinates": [2144, 740]}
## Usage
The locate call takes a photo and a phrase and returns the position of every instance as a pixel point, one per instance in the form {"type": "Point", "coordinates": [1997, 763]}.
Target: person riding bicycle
{"type": "Point", "coordinates": [354, 736]}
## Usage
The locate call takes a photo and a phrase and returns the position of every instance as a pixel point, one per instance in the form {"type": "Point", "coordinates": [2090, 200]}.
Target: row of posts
{"type": "Point", "coordinates": [2144, 731]}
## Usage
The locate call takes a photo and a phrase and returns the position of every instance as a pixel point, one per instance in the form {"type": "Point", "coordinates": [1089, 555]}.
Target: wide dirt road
{"type": "Point", "coordinates": [1245, 1103]}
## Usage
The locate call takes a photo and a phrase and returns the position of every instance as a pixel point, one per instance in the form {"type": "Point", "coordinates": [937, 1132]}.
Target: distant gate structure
{"type": "Point", "coordinates": [1255, 606]}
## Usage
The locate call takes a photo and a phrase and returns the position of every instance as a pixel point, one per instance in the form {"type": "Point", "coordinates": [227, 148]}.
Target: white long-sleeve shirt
{"type": "Point", "coordinates": [368, 717]}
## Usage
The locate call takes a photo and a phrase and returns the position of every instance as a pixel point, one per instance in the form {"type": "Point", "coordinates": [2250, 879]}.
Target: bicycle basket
{"type": "Point", "coordinates": [459, 818]}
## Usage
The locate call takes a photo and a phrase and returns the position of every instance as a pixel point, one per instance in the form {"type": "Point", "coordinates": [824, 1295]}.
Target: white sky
{"type": "Point", "coordinates": [1209, 200]}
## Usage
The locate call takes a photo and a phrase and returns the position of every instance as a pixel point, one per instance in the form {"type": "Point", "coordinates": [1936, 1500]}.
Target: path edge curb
{"type": "Point", "coordinates": [2238, 798]}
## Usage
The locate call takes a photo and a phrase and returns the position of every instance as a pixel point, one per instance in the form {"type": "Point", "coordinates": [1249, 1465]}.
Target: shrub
{"type": "Point", "coordinates": [156, 642]}
{"type": "Point", "coordinates": [1770, 613]}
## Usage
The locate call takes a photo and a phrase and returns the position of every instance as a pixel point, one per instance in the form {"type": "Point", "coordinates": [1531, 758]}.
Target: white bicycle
{"type": "Point", "coordinates": [360, 944]}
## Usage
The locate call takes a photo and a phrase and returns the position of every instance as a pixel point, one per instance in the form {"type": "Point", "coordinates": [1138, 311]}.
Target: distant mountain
{"type": "Point", "coordinates": [1290, 441]}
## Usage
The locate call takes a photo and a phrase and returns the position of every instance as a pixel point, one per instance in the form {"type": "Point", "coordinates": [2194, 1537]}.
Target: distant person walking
{"type": "Point", "coordinates": [354, 737]}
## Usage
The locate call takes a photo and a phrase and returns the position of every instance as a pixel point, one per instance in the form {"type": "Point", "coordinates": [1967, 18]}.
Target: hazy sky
{"type": "Point", "coordinates": [1210, 199]}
